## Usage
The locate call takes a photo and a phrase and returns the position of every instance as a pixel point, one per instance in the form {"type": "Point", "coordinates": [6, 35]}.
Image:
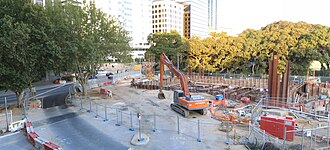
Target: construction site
{"type": "Point", "coordinates": [279, 113]}
{"type": "Point", "coordinates": [222, 111]}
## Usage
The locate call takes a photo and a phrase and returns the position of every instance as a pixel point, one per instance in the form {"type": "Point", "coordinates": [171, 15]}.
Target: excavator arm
{"type": "Point", "coordinates": [183, 80]}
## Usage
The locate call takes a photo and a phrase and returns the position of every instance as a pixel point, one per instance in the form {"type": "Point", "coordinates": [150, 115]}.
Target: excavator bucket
{"type": "Point", "coordinates": [161, 95]}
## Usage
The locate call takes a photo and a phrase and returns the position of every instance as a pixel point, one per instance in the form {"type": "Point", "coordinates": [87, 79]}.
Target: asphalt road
{"type": "Point", "coordinates": [40, 91]}
{"type": "Point", "coordinates": [68, 130]}
{"type": "Point", "coordinates": [72, 132]}
{"type": "Point", "coordinates": [15, 141]}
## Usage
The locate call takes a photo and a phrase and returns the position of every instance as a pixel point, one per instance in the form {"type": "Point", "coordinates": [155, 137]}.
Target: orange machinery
{"type": "Point", "coordinates": [183, 102]}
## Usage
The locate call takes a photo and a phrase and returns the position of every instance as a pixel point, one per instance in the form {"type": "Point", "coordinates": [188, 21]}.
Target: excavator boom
{"type": "Point", "coordinates": [183, 80]}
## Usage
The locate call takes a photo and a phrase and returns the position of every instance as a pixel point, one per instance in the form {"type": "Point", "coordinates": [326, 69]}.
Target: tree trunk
{"type": "Point", "coordinates": [19, 97]}
{"type": "Point", "coordinates": [83, 86]}
{"type": "Point", "coordinates": [47, 76]}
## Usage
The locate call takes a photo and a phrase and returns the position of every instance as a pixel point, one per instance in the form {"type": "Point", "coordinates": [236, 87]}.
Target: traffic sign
{"type": "Point", "coordinates": [139, 116]}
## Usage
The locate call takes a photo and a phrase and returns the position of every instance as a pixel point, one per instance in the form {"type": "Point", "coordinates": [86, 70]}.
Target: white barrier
{"type": "Point", "coordinates": [37, 141]}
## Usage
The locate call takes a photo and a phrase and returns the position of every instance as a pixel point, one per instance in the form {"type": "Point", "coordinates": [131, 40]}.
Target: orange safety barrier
{"type": "Point", "coordinates": [51, 146]}
{"type": "Point", "coordinates": [31, 137]}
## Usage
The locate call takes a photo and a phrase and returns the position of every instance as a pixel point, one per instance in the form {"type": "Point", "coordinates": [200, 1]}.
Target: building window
{"type": "Point", "coordinates": [159, 6]}
{"type": "Point", "coordinates": [155, 11]}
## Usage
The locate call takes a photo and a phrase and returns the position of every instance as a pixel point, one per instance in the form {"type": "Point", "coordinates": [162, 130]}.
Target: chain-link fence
{"type": "Point", "coordinates": [310, 135]}
{"type": "Point", "coordinates": [197, 130]}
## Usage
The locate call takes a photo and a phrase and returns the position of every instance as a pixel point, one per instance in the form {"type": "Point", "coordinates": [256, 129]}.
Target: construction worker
{"type": "Point", "coordinates": [109, 93]}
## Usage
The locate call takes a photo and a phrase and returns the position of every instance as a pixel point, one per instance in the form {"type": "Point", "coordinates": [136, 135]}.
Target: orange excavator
{"type": "Point", "coordinates": [183, 102]}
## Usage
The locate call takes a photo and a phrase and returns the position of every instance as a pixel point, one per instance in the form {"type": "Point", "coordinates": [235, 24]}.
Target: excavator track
{"type": "Point", "coordinates": [180, 110]}
{"type": "Point", "coordinates": [203, 111]}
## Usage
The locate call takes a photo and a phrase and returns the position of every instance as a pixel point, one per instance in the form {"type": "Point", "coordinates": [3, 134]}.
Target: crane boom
{"type": "Point", "coordinates": [183, 80]}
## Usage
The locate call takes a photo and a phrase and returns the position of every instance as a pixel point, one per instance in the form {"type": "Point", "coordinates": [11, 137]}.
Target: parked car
{"type": "Point", "coordinates": [92, 77]}
{"type": "Point", "coordinates": [109, 74]}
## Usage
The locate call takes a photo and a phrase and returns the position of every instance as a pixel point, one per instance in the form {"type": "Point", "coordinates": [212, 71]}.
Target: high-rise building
{"type": "Point", "coordinates": [167, 15]}
{"type": "Point", "coordinates": [135, 17]}
{"type": "Point", "coordinates": [186, 20]}
{"type": "Point", "coordinates": [120, 9]}
{"type": "Point", "coordinates": [142, 27]}
{"type": "Point", "coordinates": [196, 18]}
{"type": "Point", "coordinates": [212, 14]}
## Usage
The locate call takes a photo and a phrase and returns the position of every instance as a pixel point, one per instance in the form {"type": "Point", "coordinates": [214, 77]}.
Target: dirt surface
{"type": "Point", "coordinates": [146, 102]}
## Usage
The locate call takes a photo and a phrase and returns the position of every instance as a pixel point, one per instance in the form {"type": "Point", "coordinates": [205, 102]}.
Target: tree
{"type": "Point", "coordinates": [171, 43]}
{"type": "Point", "coordinates": [26, 46]}
{"type": "Point", "coordinates": [85, 37]}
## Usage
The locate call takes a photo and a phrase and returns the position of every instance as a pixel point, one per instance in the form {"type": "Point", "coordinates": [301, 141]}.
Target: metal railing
{"type": "Point", "coordinates": [121, 116]}
{"type": "Point", "coordinates": [315, 137]}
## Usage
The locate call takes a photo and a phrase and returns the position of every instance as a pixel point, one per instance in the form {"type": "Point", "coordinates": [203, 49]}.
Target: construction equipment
{"type": "Point", "coordinates": [183, 102]}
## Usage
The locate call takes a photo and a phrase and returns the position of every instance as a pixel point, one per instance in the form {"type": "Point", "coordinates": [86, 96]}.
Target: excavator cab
{"type": "Point", "coordinates": [176, 95]}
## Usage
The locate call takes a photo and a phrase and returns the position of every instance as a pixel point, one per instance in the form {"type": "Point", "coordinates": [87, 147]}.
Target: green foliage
{"type": "Point", "coordinates": [300, 43]}
{"type": "Point", "coordinates": [26, 47]}
{"type": "Point", "coordinates": [170, 43]}
{"type": "Point", "coordinates": [57, 37]}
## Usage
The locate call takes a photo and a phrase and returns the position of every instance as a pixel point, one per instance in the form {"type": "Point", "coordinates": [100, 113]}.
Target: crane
{"type": "Point", "coordinates": [183, 102]}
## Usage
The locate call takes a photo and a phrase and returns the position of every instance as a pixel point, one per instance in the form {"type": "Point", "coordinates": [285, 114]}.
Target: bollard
{"type": "Point", "coordinates": [154, 130]}
{"type": "Point", "coordinates": [302, 141]}
{"type": "Point", "coordinates": [117, 124]}
{"type": "Point", "coordinates": [131, 118]}
{"type": "Point", "coordinates": [178, 124]}
{"type": "Point", "coordinates": [96, 111]}
{"type": "Point", "coordinates": [105, 113]}
{"type": "Point", "coordinates": [199, 133]}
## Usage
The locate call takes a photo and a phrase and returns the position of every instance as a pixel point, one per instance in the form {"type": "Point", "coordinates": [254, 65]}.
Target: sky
{"type": "Point", "coordinates": [234, 16]}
